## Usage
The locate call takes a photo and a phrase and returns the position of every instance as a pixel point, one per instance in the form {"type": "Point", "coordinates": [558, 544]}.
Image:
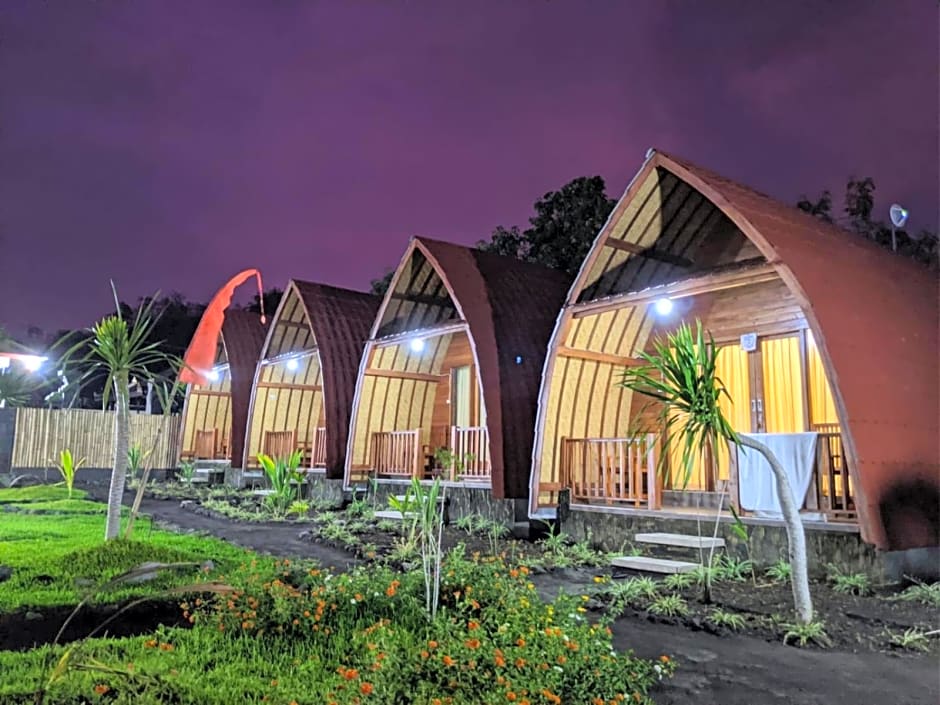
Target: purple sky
{"type": "Point", "coordinates": [169, 144]}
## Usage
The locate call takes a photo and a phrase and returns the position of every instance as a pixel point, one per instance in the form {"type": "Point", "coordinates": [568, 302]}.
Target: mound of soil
{"type": "Point", "coordinates": [26, 629]}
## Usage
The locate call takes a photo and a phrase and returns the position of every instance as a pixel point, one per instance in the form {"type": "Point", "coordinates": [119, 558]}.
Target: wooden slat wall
{"type": "Point", "coordinates": [208, 407]}
{"type": "Point", "coordinates": [89, 434]}
{"type": "Point", "coordinates": [287, 400]}
{"type": "Point", "coordinates": [584, 400]}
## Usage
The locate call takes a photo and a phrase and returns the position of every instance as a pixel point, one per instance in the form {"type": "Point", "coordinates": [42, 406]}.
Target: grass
{"type": "Point", "coordinates": [57, 557]}
{"type": "Point", "coordinates": [38, 493]}
{"type": "Point", "coordinates": [779, 572]}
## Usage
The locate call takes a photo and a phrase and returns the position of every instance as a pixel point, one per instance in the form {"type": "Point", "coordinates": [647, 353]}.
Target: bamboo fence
{"type": "Point", "coordinates": [89, 434]}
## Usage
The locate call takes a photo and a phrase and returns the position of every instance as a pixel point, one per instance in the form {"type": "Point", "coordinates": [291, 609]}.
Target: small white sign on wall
{"type": "Point", "coordinates": [749, 342]}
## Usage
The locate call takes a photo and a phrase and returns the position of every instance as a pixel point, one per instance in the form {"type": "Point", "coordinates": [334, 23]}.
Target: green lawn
{"type": "Point", "coordinates": [58, 553]}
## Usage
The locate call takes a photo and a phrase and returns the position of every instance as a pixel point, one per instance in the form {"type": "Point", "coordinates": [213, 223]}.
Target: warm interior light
{"type": "Point", "coordinates": [663, 306]}
{"type": "Point", "coordinates": [416, 345]}
{"type": "Point", "coordinates": [292, 364]}
{"type": "Point", "coordinates": [32, 362]}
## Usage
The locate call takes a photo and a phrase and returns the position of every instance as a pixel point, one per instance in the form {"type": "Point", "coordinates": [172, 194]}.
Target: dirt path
{"type": "Point", "coordinates": [748, 671]}
{"type": "Point", "coordinates": [275, 538]}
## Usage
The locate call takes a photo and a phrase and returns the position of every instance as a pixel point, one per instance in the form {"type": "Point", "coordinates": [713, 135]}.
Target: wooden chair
{"type": "Point", "coordinates": [207, 444]}
{"type": "Point", "coordinates": [279, 444]}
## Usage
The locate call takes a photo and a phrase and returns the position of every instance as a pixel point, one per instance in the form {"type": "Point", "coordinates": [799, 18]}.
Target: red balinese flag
{"type": "Point", "coordinates": [200, 355]}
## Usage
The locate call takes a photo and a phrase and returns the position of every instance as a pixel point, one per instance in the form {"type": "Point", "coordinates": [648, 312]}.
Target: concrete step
{"type": "Point", "coordinates": [392, 515]}
{"type": "Point", "coordinates": [653, 565]}
{"type": "Point", "coordinates": [680, 540]}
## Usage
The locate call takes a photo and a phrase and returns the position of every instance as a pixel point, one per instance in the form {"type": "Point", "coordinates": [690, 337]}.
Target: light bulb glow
{"type": "Point", "coordinates": [32, 362]}
{"type": "Point", "coordinates": [663, 306]}
{"type": "Point", "coordinates": [4, 363]}
{"type": "Point", "coordinates": [213, 375]}
{"type": "Point", "coordinates": [292, 365]}
{"type": "Point", "coordinates": [416, 345]}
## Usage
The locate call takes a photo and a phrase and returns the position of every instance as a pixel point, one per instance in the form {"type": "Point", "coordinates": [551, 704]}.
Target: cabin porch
{"type": "Point", "coordinates": [420, 412]}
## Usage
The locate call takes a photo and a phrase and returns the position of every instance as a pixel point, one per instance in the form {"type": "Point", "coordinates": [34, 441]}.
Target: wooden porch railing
{"type": "Point", "coordinates": [397, 453]}
{"type": "Point", "coordinates": [471, 447]}
{"type": "Point", "coordinates": [318, 452]}
{"type": "Point", "coordinates": [611, 470]}
{"type": "Point", "coordinates": [831, 491]}
{"type": "Point", "coordinates": [206, 444]}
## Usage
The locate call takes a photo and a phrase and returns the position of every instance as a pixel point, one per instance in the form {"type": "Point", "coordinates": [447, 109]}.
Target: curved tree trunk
{"type": "Point", "coordinates": [799, 576]}
{"type": "Point", "coordinates": [121, 443]}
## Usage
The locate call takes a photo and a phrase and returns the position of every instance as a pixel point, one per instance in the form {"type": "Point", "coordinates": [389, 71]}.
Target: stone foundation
{"type": "Point", "coordinates": [839, 544]}
{"type": "Point", "coordinates": [462, 500]}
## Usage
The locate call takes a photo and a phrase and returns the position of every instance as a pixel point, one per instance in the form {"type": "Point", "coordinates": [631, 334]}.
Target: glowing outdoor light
{"type": "Point", "coordinates": [416, 345]}
{"type": "Point", "coordinates": [663, 306]}
{"type": "Point", "coordinates": [32, 362]}
{"type": "Point", "coordinates": [292, 364]}
{"type": "Point", "coordinates": [4, 363]}
{"type": "Point", "coordinates": [213, 375]}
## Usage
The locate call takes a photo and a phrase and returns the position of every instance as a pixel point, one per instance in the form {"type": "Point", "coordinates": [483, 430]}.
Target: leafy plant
{"type": "Point", "coordinates": [187, 471]}
{"type": "Point", "coordinates": [849, 583]}
{"type": "Point", "coordinates": [803, 633]}
{"type": "Point", "coordinates": [681, 375]}
{"type": "Point", "coordinates": [913, 639]}
{"type": "Point", "coordinates": [779, 572]}
{"type": "Point", "coordinates": [739, 529]}
{"type": "Point", "coordinates": [298, 508]}
{"type": "Point", "coordinates": [731, 568]}
{"type": "Point", "coordinates": [927, 594]}
{"type": "Point", "coordinates": [67, 467]}
{"type": "Point", "coordinates": [729, 620]}
{"type": "Point", "coordinates": [446, 459]}
{"type": "Point", "coordinates": [556, 542]}
{"type": "Point", "coordinates": [669, 606]}
{"type": "Point", "coordinates": [135, 459]}
{"type": "Point", "coordinates": [679, 581]}
{"type": "Point", "coordinates": [284, 478]}
{"type": "Point", "coordinates": [629, 593]}
{"type": "Point", "coordinates": [359, 508]}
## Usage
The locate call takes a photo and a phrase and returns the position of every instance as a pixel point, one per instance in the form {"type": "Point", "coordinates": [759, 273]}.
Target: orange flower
{"type": "Point", "coordinates": [471, 625]}
{"type": "Point", "coordinates": [472, 643]}
{"type": "Point", "coordinates": [365, 688]}
{"type": "Point", "coordinates": [500, 661]}
{"type": "Point", "coordinates": [351, 674]}
{"type": "Point", "coordinates": [664, 658]}
{"type": "Point", "coordinates": [561, 660]}
{"type": "Point", "coordinates": [150, 643]}
{"type": "Point", "coordinates": [432, 644]}
{"type": "Point", "coordinates": [520, 642]}
{"type": "Point", "coordinates": [166, 647]}
{"type": "Point", "coordinates": [510, 696]}
{"type": "Point", "coordinates": [448, 661]}
{"type": "Point", "coordinates": [101, 689]}
{"type": "Point", "coordinates": [550, 696]}
{"type": "Point", "coordinates": [520, 663]}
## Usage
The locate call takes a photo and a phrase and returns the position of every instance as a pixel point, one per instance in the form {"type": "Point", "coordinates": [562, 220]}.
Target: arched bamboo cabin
{"type": "Point", "coordinates": [215, 414]}
{"type": "Point", "coordinates": [450, 375]}
{"type": "Point", "coordinates": [304, 381]}
{"type": "Point", "coordinates": [839, 338]}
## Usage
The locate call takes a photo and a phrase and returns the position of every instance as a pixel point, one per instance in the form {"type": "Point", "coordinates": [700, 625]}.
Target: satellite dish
{"type": "Point", "coordinates": [899, 215]}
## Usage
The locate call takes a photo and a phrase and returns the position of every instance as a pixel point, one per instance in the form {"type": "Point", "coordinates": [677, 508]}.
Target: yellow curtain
{"type": "Point", "coordinates": [822, 406]}
{"type": "Point", "coordinates": [783, 385]}
{"type": "Point", "coordinates": [732, 370]}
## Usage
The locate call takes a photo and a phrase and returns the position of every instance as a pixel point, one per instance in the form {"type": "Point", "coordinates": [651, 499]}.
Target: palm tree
{"type": "Point", "coordinates": [121, 349]}
{"type": "Point", "coordinates": [16, 388]}
{"type": "Point", "coordinates": [681, 375]}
